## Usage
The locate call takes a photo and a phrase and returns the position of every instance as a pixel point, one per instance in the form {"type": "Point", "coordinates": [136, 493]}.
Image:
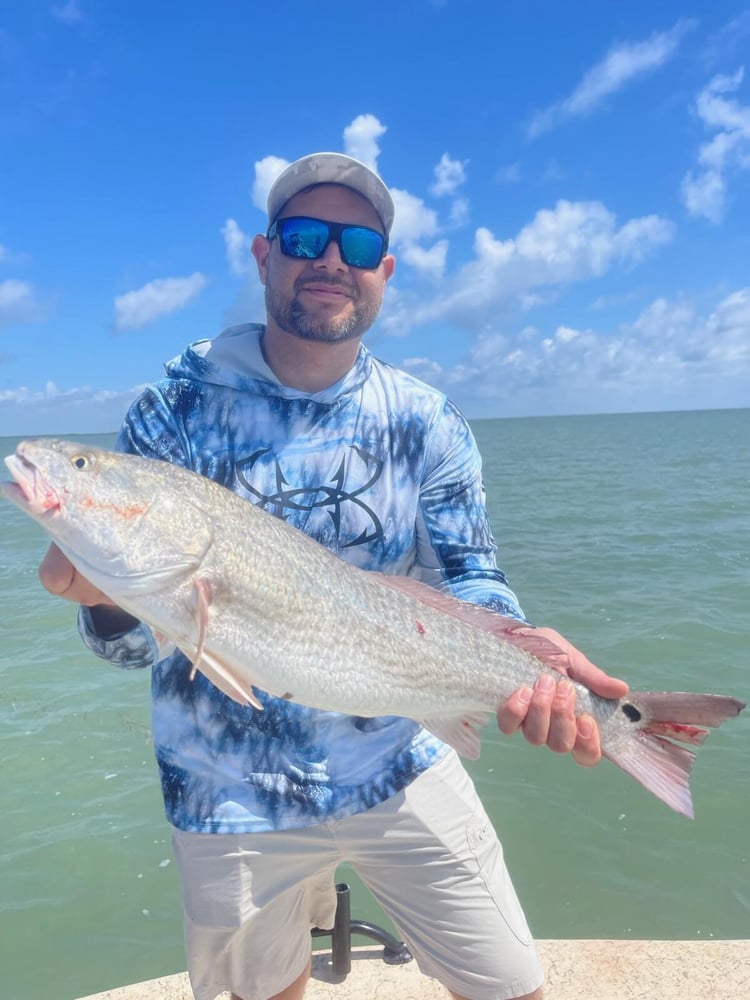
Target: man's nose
{"type": "Point", "coordinates": [331, 258]}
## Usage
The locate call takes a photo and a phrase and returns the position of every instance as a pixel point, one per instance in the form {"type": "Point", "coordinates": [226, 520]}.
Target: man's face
{"type": "Point", "coordinates": [324, 299]}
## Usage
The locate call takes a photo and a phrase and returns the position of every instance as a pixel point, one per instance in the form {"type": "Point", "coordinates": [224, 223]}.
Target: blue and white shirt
{"type": "Point", "coordinates": [380, 468]}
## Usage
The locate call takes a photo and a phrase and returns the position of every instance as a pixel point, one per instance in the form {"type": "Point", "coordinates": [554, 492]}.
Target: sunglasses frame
{"type": "Point", "coordinates": [335, 235]}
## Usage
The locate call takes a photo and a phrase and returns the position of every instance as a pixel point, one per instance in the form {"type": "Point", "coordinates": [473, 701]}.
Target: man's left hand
{"type": "Point", "coordinates": [546, 712]}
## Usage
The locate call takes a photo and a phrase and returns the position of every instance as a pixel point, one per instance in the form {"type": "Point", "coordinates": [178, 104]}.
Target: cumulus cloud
{"type": "Point", "coordinates": [414, 221]}
{"type": "Point", "coordinates": [704, 190]}
{"type": "Point", "coordinates": [80, 410]}
{"type": "Point", "coordinates": [266, 172]}
{"type": "Point", "coordinates": [237, 246]}
{"type": "Point", "coordinates": [361, 139]}
{"type": "Point", "coordinates": [574, 241]}
{"type": "Point", "coordinates": [428, 262]}
{"type": "Point", "coordinates": [623, 63]}
{"type": "Point", "coordinates": [18, 303]}
{"type": "Point", "coordinates": [668, 352]}
{"type": "Point", "coordinates": [158, 298]}
{"type": "Point", "coordinates": [449, 175]}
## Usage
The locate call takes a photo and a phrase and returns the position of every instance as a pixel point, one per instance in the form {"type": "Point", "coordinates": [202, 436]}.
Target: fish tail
{"type": "Point", "coordinates": [660, 766]}
{"type": "Point", "coordinates": [684, 707]}
{"type": "Point", "coordinates": [657, 763]}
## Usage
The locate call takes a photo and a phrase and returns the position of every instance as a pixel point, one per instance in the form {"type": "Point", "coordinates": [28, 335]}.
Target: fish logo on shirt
{"type": "Point", "coordinates": [285, 499]}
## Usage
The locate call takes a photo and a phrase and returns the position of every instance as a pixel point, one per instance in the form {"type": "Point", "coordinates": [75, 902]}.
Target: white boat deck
{"type": "Point", "coordinates": [575, 970]}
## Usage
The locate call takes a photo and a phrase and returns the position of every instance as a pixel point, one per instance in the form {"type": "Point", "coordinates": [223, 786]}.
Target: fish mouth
{"type": "Point", "coordinates": [30, 489]}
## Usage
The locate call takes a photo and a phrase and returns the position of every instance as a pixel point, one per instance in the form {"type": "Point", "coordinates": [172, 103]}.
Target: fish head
{"type": "Point", "coordinates": [112, 514]}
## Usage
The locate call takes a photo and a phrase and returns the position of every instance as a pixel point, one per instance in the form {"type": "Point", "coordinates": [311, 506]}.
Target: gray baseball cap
{"type": "Point", "coordinates": [331, 168]}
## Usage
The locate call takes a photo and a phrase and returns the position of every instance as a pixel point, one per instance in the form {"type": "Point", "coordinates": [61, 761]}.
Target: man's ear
{"type": "Point", "coordinates": [389, 265]}
{"type": "Point", "coordinates": [260, 249]}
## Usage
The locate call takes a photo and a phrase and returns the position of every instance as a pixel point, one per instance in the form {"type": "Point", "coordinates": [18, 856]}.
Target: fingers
{"type": "Point", "coordinates": [60, 577]}
{"type": "Point", "coordinates": [581, 669]}
{"type": "Point", "coordinates": [587, 750]}
{"type": "Point", "coordinates": [596, 680]}
{"type": "Point", "coordinates": [56, 571]}
{"type": "Point", "coordinates": [546, 715]}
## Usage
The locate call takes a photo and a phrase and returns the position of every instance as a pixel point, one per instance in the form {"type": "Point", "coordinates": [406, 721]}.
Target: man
{"type": "Point", "coordinates": [297, 416]}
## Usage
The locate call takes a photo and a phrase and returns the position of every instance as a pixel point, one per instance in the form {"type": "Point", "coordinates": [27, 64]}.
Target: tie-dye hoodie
{"type": "Point", "coordinates": [379, 467]}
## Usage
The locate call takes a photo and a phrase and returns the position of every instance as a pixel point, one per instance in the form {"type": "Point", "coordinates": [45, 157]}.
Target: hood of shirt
{"type": "Point", "coordinates": [235, 359]}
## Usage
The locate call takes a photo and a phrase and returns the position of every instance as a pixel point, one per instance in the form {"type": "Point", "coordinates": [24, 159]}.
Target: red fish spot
{"type": "Point", "coordinates": [129, 512]}
{"type": "Point", "coordinates": [420, 627]}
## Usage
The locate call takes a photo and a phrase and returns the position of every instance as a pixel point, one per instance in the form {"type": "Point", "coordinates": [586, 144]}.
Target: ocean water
{"type": "Point", "coordinates": [629, 533]}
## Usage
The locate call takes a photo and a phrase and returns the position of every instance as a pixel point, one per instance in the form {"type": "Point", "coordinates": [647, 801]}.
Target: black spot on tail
{"type": "Point", "coordinates": [632, 712]}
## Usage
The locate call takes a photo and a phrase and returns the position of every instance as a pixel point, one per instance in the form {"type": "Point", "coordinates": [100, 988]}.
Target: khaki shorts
{"type": "Point", "coordinates": [430, 857]}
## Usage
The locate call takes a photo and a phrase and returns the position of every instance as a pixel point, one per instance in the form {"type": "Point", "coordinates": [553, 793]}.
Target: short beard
{"type": "Point", "coordinates": [292, 317]}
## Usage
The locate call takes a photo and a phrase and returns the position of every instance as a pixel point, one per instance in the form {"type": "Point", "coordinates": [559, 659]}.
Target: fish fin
{"type": "Point", "coordinates": [511, 629]}
{"type": "Point", "coordinates": [660, 766]}
{"type": "Point", "coordinates": [460, 732]}
{"type": "Point", "coordinates": [692, 735]}
{"type": "Point", "coordinates": [227, 680]}
{"type": "Point", "coordinates": [202, 592]}
{"type": "Point", "coordinates": [684, 708]}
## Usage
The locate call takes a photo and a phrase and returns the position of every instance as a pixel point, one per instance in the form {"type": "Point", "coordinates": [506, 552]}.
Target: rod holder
{"type": "Point", "coordinates": [395, 952]}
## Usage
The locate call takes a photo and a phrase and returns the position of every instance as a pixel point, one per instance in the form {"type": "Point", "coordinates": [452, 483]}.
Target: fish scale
{"type": "Point", "coordinates": [256, 604]}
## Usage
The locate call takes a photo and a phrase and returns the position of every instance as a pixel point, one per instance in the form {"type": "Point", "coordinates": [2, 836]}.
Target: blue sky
{"type": "Point", "coordinates": [572, 185]}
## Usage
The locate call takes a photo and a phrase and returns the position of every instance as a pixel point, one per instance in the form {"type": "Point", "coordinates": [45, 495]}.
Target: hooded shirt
{"type": "Point", "coordinates": [380, 468]}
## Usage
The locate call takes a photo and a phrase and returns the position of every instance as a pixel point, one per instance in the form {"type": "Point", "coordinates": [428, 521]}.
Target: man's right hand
{"type": "Point", "coordinates": [60, 577]}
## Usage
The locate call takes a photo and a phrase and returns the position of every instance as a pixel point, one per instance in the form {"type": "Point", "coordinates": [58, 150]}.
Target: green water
{"type": "Point", "coordinates": [631, 534]}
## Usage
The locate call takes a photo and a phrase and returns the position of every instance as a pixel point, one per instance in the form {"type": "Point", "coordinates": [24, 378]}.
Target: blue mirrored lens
{"type": "Point", "coordinates": [309, 238]}
{"type": "Point", "coordinates": [361, 247]}
{"type": "Point", "coordinates": [304, 237]}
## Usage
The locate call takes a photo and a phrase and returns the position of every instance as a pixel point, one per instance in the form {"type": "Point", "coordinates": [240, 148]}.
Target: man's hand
{"type": "Point", "coordinates": [60, 577]}
{"type": "Point", "coordinates": [546, 712]}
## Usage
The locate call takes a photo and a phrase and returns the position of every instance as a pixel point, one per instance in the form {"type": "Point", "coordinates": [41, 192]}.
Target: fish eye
{"type": "Point", "coordinates": [79, 462]}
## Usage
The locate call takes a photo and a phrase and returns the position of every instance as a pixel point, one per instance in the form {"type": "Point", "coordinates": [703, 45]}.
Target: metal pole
{"type": "Point", "coordinates": [341, 935]}
{"type": "Point", "coordinates": [395, 952]}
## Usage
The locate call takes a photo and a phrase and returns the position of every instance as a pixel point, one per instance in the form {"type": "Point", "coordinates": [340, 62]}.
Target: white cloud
{"type": "Point", "coordinates": [704, 194]}
{"type": "Point", "coordinates": [429, 263]}
{"type": "Point", "coordinates": [704, 191]}
{"type": "Point", "coordinates": [157, 298]}
{"type": "Point", "coordinates": [622, 64]}
{"type": "Point", "coordinates": [81, 410]}
{"type": "Point", "coordinates": [669, 352]}
{"type": "Point", "coordinates": [414, 223]}
{"type": "Point", "coordinates": [414, 220]}
{"type": "Point", "coordinates": [18, 303]}
{"type": "Point", "coordinates": [266, 172]}
{"type": "Point", "coordinates": [449, 175]}
{"type": "Point", "coordinates": [574, 241]}
{"type": "Point", "coordinates": [237, 246]}
{"type": "Point", "coordinates": [361, 139]}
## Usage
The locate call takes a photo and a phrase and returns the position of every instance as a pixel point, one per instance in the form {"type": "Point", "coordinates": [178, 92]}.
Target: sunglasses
{"type": "Point", "coordinates": [302, 237]}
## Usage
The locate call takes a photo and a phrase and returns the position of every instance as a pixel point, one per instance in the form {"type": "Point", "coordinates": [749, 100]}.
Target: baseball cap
{"type": "Point", "coordinates": [331, 168]}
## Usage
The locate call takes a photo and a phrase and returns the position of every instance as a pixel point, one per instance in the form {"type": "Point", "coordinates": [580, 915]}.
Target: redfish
{"type": "Point", "coordinates": [256, 604]}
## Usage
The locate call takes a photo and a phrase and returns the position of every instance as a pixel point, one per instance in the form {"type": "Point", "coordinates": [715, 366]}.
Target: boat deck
{"type": "Point", "coordinates": [575, 970]}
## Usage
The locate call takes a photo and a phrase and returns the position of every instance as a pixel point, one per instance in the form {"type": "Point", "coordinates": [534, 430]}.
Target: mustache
{"type": "Point", "coordinates": [316, 278]}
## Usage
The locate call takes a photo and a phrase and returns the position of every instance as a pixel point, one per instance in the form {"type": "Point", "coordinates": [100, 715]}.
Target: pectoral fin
{"type": "Point", "coordinates": [460, 732]}
{"type": "Point", "coordinates": [225, 677]}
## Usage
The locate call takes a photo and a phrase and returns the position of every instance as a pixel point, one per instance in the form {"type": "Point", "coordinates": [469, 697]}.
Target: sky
{"type": "Point", "coordinates": [572, 189]}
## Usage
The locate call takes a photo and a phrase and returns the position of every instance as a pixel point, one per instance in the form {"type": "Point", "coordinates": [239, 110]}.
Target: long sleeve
{"type": "Point", "coordinates": [455, 546]}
